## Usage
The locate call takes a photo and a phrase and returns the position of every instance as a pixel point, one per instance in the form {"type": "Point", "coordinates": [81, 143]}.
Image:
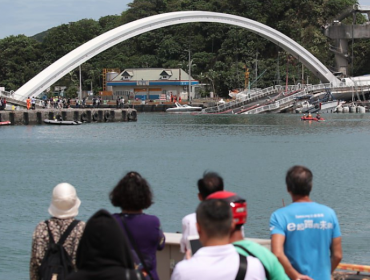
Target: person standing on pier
{"type": "Point", "coordinates": [305, 236]}
{"type": "Point", "coordinates": [28, 103]}
{"type": "Point", "coordinates": [33, 102]}
{"type": "Point", "coordinates": [3, 105]}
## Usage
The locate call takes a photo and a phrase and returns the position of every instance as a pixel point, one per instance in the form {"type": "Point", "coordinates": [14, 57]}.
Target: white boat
{"type": "Point", "coordinates": [61, 122]}
{"type": "Point", "coordinates": [183, 108]}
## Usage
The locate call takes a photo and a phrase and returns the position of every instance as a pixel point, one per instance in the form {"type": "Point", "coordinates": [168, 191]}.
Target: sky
{"type": "Point", "coordinates": [30, 17]}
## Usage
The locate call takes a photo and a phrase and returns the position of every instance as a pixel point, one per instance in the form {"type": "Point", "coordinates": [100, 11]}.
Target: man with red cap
{"type": "Point", "coordinates": [217, 259]}
{"type": "Point", "coordinates": [273, 269]}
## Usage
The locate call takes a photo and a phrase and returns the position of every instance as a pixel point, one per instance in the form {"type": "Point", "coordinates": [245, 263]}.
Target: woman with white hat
{"type": "Point", "coordinates": [63, 210]}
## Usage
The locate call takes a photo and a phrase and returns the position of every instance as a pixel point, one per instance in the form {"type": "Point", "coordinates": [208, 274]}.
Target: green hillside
{"type": "Point", "coordinates": [219, 51]}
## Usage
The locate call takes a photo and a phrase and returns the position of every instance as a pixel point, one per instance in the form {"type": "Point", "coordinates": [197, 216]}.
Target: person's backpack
{"type": "Point", "coordinates": [57, 264]}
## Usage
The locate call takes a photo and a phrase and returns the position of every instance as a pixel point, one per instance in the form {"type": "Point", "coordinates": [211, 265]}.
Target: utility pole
{"type": "Point", "coordinates": [80, 93]}
{"type": "Point", "coordinates": [256, 68]}
{"type": "Point", "coordinates": [189, 73]}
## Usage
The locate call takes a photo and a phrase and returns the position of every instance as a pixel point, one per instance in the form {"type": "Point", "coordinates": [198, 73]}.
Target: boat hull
{"type": "Point", "coordinates": [183, 108]}
{"type": "Point", "coordinates": [179, 110]}
{"type": "Point", "coordinates": [56, 122]}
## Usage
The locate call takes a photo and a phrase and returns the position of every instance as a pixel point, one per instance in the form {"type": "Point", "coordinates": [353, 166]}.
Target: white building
{"type": "Point", "coordinates": [153, 83]}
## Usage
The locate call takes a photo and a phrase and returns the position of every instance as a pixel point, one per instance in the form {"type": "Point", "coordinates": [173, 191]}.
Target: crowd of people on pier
{"type": "Point", "coordinates": [54, 102]}
{"type": "Point", "coordinates": [305, 236]}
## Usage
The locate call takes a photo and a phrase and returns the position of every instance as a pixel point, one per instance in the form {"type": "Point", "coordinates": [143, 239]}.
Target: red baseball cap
{"type": "Point", "coordinates": [237, 203]}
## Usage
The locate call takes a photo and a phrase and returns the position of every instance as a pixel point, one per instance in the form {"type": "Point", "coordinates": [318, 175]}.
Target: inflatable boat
{"type": "Point", "coordinates": [306, 118]}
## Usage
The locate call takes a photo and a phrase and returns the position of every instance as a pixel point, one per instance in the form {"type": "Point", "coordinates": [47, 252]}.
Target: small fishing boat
{"type": "Point", "coordinates": [5, 123]}
{"type": "Point", "coordinates": [61, 122]}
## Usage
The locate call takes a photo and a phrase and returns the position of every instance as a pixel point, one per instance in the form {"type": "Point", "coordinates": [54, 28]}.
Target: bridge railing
{"type": "Point", "coordinates": [278, 103]}
{"type": "Point", "coordinates": [240, 101]}
{"type": "Point", "coordinates": [255, 94]}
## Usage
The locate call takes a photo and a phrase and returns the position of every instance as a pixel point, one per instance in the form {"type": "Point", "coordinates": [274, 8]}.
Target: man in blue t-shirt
{"type": "Point", "coordinates": [305, 236]}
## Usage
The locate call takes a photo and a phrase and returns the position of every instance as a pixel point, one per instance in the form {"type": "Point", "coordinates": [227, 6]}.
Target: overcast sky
{"type": "Point", "coordinates": [30, 17]}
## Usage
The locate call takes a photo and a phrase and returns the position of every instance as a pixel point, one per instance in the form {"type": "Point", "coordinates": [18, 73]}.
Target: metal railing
{"type": "Point", "coordinates": [277, 104]}
{"type": "Point", "coordinates": [255, 94]}
{"type": "Point", "coordinates": [247, 98]}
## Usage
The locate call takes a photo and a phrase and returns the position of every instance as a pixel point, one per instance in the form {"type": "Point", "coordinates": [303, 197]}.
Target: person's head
{"type": "Point", "coordinates": [299, 180]}
{"type": "Point", "coordinates": [64, 201]}
{"type": "Point", "coordinates": [132, 193]}
{"type": "Point", "coordinates": [210, 183]}
{"type": "Point", "coordinates": [214, 219]}
{"type": "Point", "coordinates": [103, 246]}
{"type": "Point", "coordinates": [237, 204]}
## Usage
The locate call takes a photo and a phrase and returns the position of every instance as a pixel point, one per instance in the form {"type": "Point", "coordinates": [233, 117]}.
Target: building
{"type": "Point", "coordinates": [152, 83]}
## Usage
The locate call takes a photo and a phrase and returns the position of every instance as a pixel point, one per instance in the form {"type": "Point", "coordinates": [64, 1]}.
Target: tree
{"type": "Point", "coordinates": [19, 60]}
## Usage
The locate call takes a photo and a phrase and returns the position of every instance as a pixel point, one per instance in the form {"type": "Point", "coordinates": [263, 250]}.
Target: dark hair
{"type": "Point", "coordinates": [210, 183]}
{"type": "Point", "coordinates": [132, 193]}
{"type": "Point", "coordinates": [214, 216]}
{"type": "Point", "coordinates": [299, 180]}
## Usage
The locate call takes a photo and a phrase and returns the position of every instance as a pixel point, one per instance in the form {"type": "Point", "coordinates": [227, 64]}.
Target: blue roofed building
{"type": "Point", "coordinates": [152, 84]}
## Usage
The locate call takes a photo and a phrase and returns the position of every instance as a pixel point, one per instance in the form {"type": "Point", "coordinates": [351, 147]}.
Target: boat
{"type": "Point", "coordinates": [61, 122]}
{"type": "Point", "coordinates": [5, 123]}
{"type": "Point", "coordinates": [310, 118]}
{"type": "Point", "coordinates": [183, 108]}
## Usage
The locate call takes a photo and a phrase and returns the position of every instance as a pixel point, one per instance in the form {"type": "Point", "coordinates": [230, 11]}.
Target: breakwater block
{"type": "Point", "coordinates": [25, 117]}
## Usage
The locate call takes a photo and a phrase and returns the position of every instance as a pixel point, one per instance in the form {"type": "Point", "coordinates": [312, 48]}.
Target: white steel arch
{"type": "Point", "coordinates": [64, 65]}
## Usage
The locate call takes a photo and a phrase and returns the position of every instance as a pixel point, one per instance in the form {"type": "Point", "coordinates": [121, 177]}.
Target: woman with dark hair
{"type": "Point", "coordinates": [103, 252]}
{"type": "Point", "coordinates": [133, 194]}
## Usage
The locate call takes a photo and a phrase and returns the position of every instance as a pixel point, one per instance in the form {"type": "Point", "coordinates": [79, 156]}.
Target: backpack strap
{"type": "Point", "coordinates": [51, 238]}
{"type": "Point", "coordinates": [253, 255]}
{"type": "Point", "coordinates": [67, 232]}
{"type": "Point", "coordinates": [243, 265]}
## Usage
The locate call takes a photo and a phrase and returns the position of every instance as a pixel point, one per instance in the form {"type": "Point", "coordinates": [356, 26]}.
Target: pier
{"type": "Point", "coordinates": [32, 117]}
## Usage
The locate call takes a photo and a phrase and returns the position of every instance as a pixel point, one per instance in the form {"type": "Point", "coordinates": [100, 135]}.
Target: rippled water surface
{"type": "Point", "coordinates": [252, 153]}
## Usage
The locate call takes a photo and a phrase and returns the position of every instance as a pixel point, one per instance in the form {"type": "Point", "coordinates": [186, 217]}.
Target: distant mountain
{"type": "Point", "coordinates": [41, 36]}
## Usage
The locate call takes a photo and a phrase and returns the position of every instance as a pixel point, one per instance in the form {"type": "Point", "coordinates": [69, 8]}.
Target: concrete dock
{"type": "Point", "coordinates": [32, 117]}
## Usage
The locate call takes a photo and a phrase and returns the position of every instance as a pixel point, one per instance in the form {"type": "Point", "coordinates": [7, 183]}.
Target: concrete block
{"type": "Point", "coordinates": [100, 116]}
{"type": "Point", "coordinates": [12, 118]}
{"type": "Point", "coordinates": [26, 120]}
{"type": "Point", "coordinates": [39, 118]}
{"type": "Point", "coordinates": [76, 116]}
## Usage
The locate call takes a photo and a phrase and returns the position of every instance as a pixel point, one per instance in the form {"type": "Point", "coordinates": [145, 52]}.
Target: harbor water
{"type": "Point", "coordinates": [251, 152]}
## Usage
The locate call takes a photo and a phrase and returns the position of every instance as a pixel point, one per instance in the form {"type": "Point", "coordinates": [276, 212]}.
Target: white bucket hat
{"type": "Point", "coordinates": [64, 201]}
